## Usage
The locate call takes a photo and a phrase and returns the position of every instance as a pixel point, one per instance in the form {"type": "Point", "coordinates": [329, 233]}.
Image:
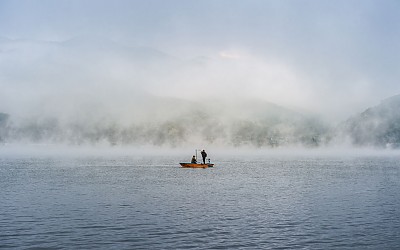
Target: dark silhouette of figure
{"type": "Point", "coordinates": [194, 159]}
{"type": "Point", "coordinates": [204, 155]}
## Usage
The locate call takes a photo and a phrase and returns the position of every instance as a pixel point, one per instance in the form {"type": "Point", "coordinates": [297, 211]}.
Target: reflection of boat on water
{"type": "Point", "coordinates": [196, 165]}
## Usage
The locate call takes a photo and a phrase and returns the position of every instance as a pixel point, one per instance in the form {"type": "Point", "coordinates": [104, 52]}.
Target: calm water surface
{"type": "Point", "coordinates": [148, 202]}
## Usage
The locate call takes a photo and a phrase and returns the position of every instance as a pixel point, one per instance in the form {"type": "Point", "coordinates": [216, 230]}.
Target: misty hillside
{"type": "Point", "coordinates": [177, 122]}
{"type": "Point", "coordinates": [174, 122]}
{"type": "Point", "coordinates": [377, 126]}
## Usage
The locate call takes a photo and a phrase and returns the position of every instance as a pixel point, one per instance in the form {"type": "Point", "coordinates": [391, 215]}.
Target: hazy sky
{"type": "Point", "coordinates": [332, 57]}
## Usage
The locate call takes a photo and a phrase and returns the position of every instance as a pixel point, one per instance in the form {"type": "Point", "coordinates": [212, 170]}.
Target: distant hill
{"type": "Point", "coordinates": [377, 126]}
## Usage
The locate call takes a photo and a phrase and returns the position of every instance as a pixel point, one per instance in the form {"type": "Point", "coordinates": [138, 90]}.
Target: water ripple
{"type": "Point", "coordinates": [130, 203]}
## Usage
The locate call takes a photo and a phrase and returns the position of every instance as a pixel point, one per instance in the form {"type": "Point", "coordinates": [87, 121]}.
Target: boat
{"type": "Point", "coordinates": [196, 165]}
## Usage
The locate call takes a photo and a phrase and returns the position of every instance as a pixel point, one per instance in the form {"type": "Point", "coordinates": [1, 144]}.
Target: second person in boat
{"type": "Point", "coordinates": [194, 159]}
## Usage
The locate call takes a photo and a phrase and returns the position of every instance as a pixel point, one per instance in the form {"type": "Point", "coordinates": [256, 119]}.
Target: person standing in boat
{"type": "Point", "coordinates": [204, 155]}
{"type": "Point", "coordinates": [194, 159]}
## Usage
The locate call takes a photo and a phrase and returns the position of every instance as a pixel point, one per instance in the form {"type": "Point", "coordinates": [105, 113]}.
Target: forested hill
{"type": "Point", "coordinates": [377, 126]}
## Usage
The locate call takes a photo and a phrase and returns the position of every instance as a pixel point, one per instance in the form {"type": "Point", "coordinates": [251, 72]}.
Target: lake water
{"type": "Point", "coordinates": [247, 202]}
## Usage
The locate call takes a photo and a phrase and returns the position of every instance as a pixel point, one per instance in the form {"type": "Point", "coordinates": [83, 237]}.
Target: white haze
{"type": "Point", "coordinates": [63, 78]}
{"type": "Point", "coordinates": [66, 78]}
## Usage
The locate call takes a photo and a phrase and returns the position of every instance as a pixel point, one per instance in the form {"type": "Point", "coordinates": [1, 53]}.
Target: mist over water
{"type": "Point", "coordinates": [177, 123]}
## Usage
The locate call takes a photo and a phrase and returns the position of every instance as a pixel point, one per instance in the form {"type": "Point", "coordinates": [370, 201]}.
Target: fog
{"type": "Point", "coordinates": [220, 74]}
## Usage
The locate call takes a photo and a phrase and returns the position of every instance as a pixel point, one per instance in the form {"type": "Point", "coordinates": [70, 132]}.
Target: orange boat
{"type": "Point", "coordinates": [196, 165]}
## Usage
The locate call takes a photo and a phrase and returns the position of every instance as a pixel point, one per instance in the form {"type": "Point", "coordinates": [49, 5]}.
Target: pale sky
{"type": "Point", "coordinates": [330, 57]}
